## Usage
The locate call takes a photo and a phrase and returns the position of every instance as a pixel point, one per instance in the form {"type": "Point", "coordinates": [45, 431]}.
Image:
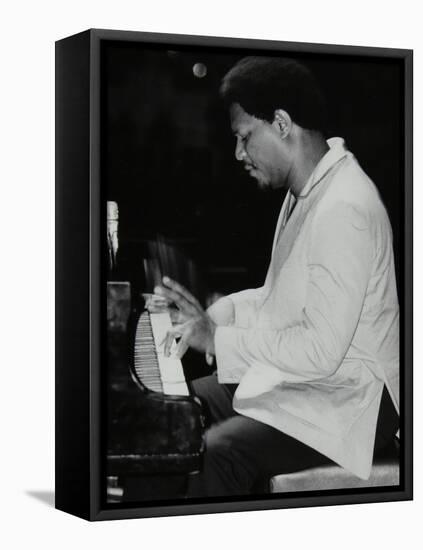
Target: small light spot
{"type": "Point", "coordinates": [199, 70]}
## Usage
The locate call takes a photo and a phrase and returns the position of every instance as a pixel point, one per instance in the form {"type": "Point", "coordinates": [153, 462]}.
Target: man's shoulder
{"type": "Point", "coordinates": [351, 185]}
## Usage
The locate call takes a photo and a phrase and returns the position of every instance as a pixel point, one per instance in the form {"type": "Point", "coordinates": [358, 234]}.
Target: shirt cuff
{"type": "Point", "coordinates": [222, 312]}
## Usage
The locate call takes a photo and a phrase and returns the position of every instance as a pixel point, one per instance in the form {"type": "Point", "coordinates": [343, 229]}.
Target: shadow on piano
{"type": "Point", "coordinates": [154, 426]}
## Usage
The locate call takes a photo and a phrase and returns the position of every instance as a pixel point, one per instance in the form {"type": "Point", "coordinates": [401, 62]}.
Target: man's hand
{"type": "Point", "coordinates": [196, 329]}
{"type": "Point", "coordinates": [155, 303]}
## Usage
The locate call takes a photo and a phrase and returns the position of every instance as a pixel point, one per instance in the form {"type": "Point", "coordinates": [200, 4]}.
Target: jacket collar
{"type": "Point", "coordinates": [337, 151]}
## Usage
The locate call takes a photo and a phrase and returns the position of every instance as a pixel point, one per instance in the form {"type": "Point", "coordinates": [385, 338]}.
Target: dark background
{"type": "Point", "coordinates": [168, 156]}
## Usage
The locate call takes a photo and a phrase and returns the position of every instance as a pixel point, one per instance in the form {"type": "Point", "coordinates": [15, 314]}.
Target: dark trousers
{"type": "Point", "coordinates": [242, 454]}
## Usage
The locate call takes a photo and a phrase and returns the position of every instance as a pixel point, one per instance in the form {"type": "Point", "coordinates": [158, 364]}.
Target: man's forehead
{"type": "Point", "coordinates": [239, 117]}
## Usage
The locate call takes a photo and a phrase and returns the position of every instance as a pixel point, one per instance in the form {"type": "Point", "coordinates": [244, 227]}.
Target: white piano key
{"type": "Point", "coordinates": [178, 388]}
{"type": "Point", "coordinates": [171, 369]}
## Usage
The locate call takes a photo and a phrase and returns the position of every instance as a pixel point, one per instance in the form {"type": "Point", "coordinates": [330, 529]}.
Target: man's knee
{"type": "Point", "coordinates": [216, 398]}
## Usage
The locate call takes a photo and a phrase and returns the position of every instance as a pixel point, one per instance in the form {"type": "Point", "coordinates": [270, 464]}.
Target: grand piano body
{"type": "Point", "coordinates": [154, 426]}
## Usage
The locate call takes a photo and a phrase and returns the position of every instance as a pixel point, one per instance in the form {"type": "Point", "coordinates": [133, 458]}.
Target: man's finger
{"type": "Point", "coordinates": [177, 287]}
{"type": "Point", "coordinates": [182, 347]}
{"type": "Point", "coordinates": [181, 303]}
{"type": "Point", "coordinates": [168, 340]}
{"type": "Point", "coordinates": [155, 303]}
{"type": "Point", "coordinates": [158, 308]}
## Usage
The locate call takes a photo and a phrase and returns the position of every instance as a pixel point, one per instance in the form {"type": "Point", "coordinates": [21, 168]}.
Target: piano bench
{"type": "Point", "coordinates": [384, 473]}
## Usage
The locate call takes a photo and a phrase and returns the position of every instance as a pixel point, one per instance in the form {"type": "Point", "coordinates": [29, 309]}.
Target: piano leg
{"type": "Point", "coordinates": [114, 490]}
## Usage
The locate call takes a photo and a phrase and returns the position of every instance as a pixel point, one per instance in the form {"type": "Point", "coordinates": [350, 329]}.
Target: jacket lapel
{"type": "Point", "coordinates": [285, 236]}
{"type": "Point", "coordinates": [287, 230]}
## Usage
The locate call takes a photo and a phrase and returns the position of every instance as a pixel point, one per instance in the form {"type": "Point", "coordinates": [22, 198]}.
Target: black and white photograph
{"type": "Point", "coordinates": [254, 265]}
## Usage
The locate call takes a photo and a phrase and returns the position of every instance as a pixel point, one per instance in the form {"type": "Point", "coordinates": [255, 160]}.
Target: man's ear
{"type": "Point", "coordinates": [282, 122]}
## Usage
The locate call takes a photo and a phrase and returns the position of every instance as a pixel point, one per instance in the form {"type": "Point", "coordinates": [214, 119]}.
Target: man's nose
{"type": "Point", "coordinates": [240, 153]}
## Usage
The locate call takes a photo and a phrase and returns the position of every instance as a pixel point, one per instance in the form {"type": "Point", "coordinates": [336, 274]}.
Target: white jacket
{"type": "Point", "coordinates": [312, 349]}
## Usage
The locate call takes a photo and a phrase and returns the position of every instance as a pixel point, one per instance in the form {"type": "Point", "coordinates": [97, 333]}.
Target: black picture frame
{"type": "Point", "coordinates": [80, 278]}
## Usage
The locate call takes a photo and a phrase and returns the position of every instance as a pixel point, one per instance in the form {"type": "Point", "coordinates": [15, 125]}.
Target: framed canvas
{"type": "Point", "coordinates": [233, 274]}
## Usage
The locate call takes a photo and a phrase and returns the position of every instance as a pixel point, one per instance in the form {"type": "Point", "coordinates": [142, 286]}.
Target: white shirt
{"type": "Point", "coordinates": [312, 349]}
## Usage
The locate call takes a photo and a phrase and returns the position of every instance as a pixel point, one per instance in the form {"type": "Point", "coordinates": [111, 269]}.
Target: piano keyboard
{"type": "Point", "coordinates": [157, 372]}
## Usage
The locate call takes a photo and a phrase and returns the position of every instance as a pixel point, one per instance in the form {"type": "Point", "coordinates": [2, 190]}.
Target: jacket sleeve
{"type": "Point", "coordinates": [338, 270]}
{"type": "Point", "coordinates": [246, 305]}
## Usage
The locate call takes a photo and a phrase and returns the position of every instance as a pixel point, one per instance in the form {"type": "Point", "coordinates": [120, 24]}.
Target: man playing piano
{"type": "Point", "coordinates": [308, 364]}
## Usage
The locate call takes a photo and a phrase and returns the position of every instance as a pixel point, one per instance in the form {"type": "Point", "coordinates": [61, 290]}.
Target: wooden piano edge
{"type": "Point", "coordinates": [144, 464]}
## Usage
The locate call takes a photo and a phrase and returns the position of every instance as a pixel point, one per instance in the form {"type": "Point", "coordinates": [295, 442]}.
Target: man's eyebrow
{"type": "Point", "coordinates": [235, 129]}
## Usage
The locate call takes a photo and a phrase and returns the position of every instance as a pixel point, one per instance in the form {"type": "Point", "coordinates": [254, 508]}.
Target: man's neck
{"type": "Point", "coordinates": [311, 148]}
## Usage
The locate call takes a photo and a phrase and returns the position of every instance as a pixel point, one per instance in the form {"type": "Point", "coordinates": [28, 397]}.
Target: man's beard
{"type": "Point", "coordinates": [263, 183]}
